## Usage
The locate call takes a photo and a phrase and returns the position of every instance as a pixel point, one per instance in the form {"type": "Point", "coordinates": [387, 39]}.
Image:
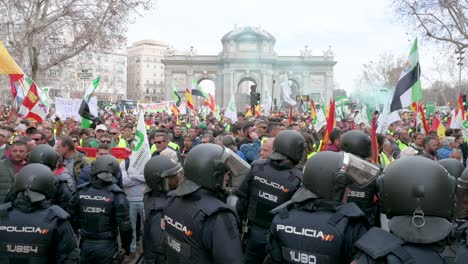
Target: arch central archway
{"type": "Point", "coordinates": [243, 93]}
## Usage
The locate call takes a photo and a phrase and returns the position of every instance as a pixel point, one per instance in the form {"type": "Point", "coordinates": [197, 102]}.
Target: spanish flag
{"type": "Point", "coordinates": [313, 111]}
{"type": "Point", "coordinates": [330, 125]}
{"type": "Point", "coordinates": [189, 99]}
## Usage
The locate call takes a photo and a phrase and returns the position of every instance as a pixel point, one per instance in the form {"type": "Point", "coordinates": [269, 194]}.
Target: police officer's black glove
{"type": "Point", "coordinates": [126, 239]}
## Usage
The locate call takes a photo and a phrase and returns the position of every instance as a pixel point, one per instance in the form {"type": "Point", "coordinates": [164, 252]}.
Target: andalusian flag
{"type": "Point", "coordinates": [88, 108]}
{"type": "Point", "coordinates": [231, 111]}
{"type": "Point", "coordinates": [408, 88]}
{"type": "Point", "coordinates": [141, 152]}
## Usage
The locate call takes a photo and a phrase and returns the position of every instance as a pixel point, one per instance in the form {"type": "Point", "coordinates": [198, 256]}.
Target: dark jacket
{"type": "Point", "coordinates": [7, 178]}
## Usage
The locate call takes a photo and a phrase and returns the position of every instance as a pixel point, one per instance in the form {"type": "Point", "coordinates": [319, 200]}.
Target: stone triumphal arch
{"type": "Point", "coordinates": [248, 57]}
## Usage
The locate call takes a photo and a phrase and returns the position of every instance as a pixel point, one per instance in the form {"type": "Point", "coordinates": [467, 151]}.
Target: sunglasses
{"type": "Point", "coordinates": [106, 141]}
{"type": "Point", "coordinates": [113, 133]}
{"type": "Point", "coordinates": [36, 139]}
{"type": "Point", "coordinates": [159, 142]}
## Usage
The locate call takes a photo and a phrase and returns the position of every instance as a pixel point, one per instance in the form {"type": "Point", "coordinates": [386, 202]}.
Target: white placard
{"type": "Point", "coordinates": [68, 108]}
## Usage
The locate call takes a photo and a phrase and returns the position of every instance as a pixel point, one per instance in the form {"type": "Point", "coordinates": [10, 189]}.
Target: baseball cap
{"type": "Point", "coordinates": [101, 127]}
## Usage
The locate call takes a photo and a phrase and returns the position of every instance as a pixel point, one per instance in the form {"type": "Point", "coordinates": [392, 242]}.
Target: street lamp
{"type": "Point", "coordinates": [459, 52]}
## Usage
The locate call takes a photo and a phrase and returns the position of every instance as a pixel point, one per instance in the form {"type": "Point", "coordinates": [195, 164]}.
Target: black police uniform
{"type": "Point", "coordinates": [268, 185]}
{"type": "Point", "coordinates": [153, 239]}
{"type": "Point", "coordinates": [100, 209]}
{"type": "Point", "coordinates": [201, 229]}
{"type": "Point", "coordinates": [61, 197]}
{"type": "Point", "coordinates": [36, 233]}
{"type": "Point", "coordinates": [364, 198]}
{"type": "Point", "coordinates": [462, 253]}
{"type": "Point", "coordinates": [379, 246]}
{"type": "Point", "coordinates": [315, 231]}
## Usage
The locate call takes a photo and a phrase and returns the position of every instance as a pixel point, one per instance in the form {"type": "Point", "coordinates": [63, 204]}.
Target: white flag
{"type": "Point", "coordinates": [321, 120]}
{"type": "Point", "coordinates": [456, 120]}
{"type": "Point", "coordinates": [287, 91]}
{"type": "Point", "coordinates": [361, 117]}
{"type": "Point", "coordinates": [386, 118]}
{"type": "Point", "coordinates": [141, 151]}
{"type": "Point", "coordinates": [231, 111]}
{"type": "Point", "coordinates": [267, 103]}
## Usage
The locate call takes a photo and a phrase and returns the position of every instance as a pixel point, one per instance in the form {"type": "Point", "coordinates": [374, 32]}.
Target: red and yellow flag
{"type": "Point", "coordinates": [7, 64]}
{"type": "Point", "coordinates": [119, 153]}
{"type": "Point", "coordinates": [313, 111]}
{"type": "Point", "coordinates": [189, 99]}
{"type": "Point", "coordinates": [210, 103]}
{"type": "Point", "coordinates": [374, 143]}
{"type": "Point", "coordinates": [330, 125]}
{"type": "Point", "coordinates": [460, 107]}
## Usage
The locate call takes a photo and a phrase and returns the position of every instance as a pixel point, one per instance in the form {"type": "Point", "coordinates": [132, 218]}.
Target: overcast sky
{"type": "Point", "coordinates": [357, 30]}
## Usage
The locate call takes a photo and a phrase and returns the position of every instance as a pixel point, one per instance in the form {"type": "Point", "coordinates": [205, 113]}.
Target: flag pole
{"type": "Point", "coordinates": [290, 114]}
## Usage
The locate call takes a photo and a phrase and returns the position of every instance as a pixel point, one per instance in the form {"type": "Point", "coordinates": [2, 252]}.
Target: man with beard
{"type": "Point", "coordinates": [430, 145]}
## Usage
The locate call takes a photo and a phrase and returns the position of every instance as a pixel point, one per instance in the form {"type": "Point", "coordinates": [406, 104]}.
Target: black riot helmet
{"type": "Point", "coordinates": [418, 196]}
{"type": "Point", "coordinates": [44, 154]}
{"type": "Point", "coordinates": [105, 168]}
{"type": "Point", "coordinates": [453, 166]}
{"type": "Point", "coordinates": [327, 174]}
{"type": "Point", "coordinates": [36, 181]}
{"type": "Point", "coordinates": [206, 165]}
{"type": "Point", "coordinates": [158, 169]}
{"type": "Point", "coordinates": [288, 144]}
{"type": "Point", "coordinates": [356, 142]}
{"type": "Point", "coordinates": [462, 195]}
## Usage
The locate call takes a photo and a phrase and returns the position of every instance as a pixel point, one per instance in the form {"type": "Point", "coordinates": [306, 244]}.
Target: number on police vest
{"type": "Point", "coordinates": [300, 257]}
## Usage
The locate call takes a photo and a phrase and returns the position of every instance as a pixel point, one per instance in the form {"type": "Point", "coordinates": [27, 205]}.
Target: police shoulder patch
{"type": "Point", "coordinates": [115, 189]}
{"type": "Point", "coordinates": [57, 211]}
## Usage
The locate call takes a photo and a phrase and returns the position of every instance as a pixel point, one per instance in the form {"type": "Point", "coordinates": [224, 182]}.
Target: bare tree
{"type": "Point", "coordinates": [44, 33]}
{"type": "Point", "coordinates": [443, 21]}
{"type": "Point", "coordinates": [382, 73]}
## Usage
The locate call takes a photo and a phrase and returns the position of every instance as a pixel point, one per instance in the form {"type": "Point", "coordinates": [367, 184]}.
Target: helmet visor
{"type": "Point", "coordinates": [360, 171]}
{"type": "Point", "coordinates": [236, 166]}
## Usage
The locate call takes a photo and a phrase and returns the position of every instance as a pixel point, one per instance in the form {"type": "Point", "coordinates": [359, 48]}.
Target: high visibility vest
{"type": "Point", "coordinates": [171, 144]}
{"type": "Point", "coordinates": [384, 160]}
{"type": "Point", "coordinates": [122, 143]}
{"type": "Point", "coordinates": [401, 145]}
{"type": "Point", "coordinates": [311, 154]}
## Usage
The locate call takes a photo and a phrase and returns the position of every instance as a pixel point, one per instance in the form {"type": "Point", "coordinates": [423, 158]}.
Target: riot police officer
{"type": "Point", "coordinates": [461, 214]}
{"type": "Point", "coordinates": [45, 154]}
{"type": "Point", "coordinates": [32, 230]}
{"type": "Point", "coordinates": [162, 174]}
{"type": "Point", "coordinates": [358, 143]}
{"type": "Point", "coordinates": [199, 226]}
{"type": "Point", "coordinates": [268, 184]}
{"type": "Point", "coordinates": [315, 226]}
{"type": "Point", "coordinates": [418, 196]}
{"type": "Point", "coordinates": [101, 212]}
